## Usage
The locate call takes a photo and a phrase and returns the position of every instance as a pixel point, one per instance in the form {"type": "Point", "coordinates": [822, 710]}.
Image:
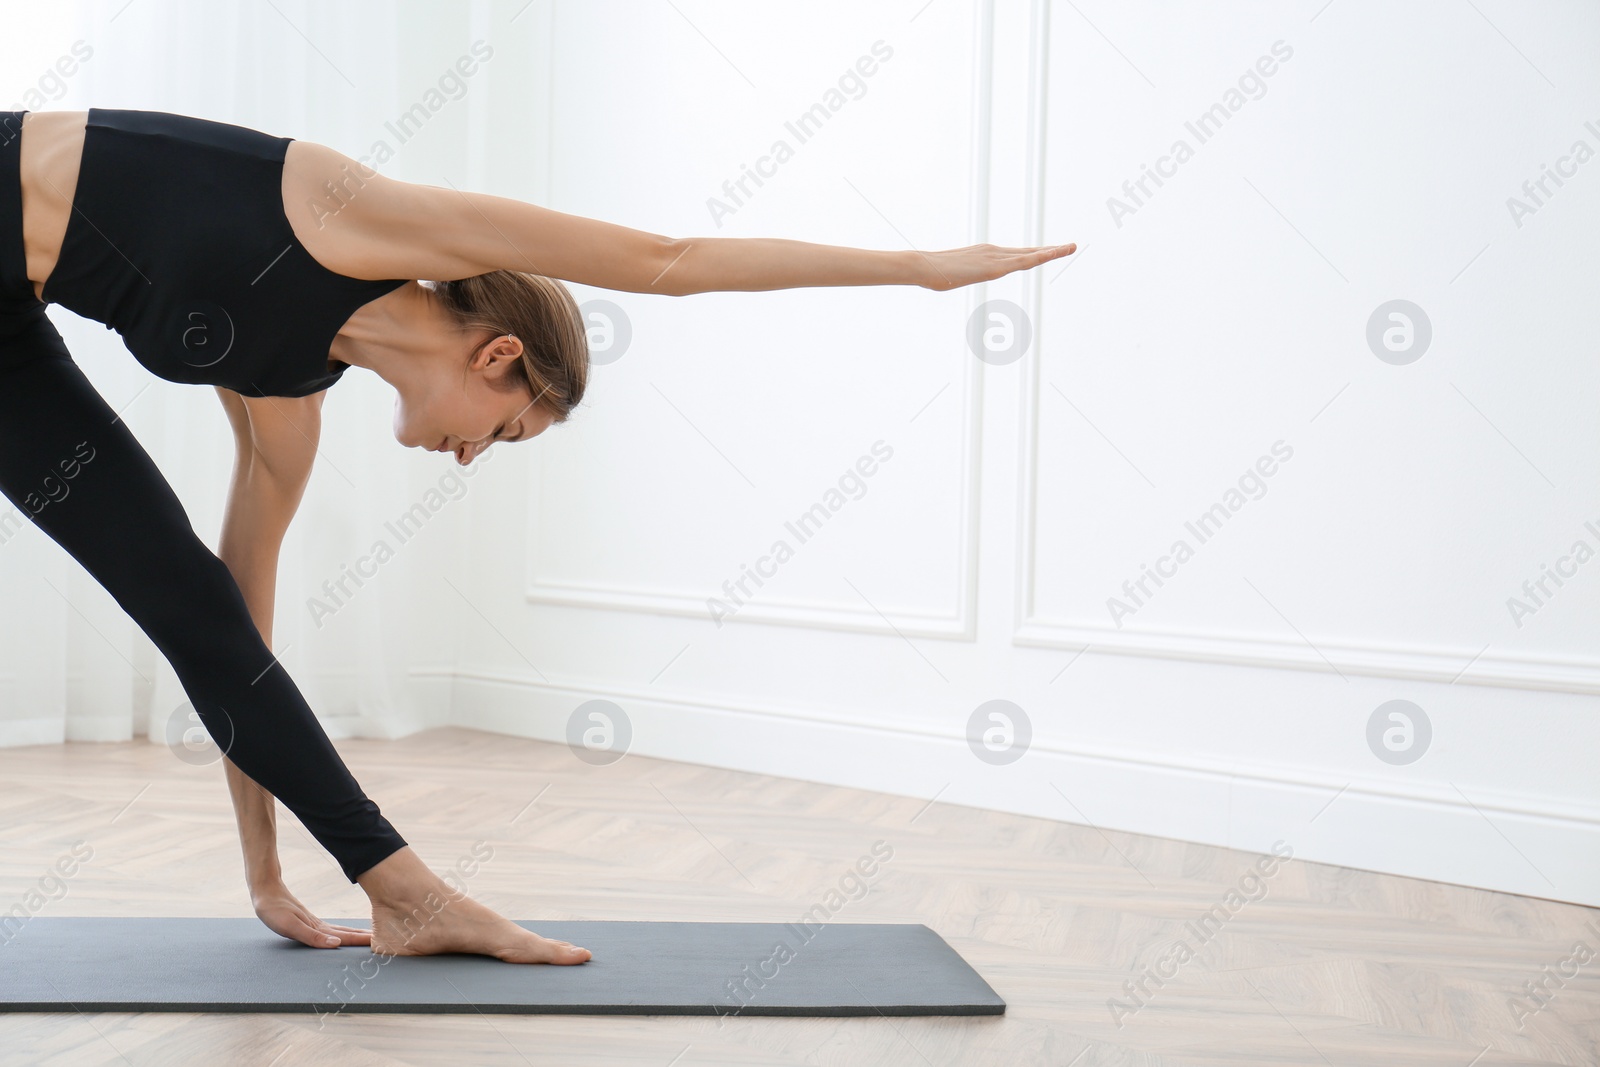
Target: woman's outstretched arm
{"type": "Point", "coordinates": [398, 229]}
{"type": "Point", "coordinates": [755, 264]}
{"type": "Point", "coordinates": [480, 233]}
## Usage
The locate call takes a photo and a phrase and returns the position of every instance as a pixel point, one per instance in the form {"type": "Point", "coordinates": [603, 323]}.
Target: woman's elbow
{"type": "Point", "coordinates": [669, 275]}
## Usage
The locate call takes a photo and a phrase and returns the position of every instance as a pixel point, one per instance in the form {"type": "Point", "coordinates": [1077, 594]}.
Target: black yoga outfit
{"type": "Point", "coordinates": [178, 240]}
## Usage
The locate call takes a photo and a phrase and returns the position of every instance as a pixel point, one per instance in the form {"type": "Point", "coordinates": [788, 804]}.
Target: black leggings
{"type": "Point", "coordinates": [70, 463]}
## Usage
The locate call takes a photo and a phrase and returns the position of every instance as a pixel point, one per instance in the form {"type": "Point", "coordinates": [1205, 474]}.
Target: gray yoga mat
{"type": "Point", "coordinates": [59, 964]}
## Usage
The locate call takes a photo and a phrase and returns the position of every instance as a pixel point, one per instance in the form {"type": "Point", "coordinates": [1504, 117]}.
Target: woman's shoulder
{"type": "Point", "coordinates": [361, 223]}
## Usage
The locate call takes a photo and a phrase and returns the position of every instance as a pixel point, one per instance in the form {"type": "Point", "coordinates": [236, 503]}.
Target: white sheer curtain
{"type": "Point", "coordinates": [72, 664]}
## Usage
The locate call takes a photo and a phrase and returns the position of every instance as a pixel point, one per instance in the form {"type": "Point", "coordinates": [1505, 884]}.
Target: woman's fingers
{"type": "Point", "coordinates": [343, 935]}
{"type": "Point", "coordinates": [1021, 249]}
{"type": "Point", "coordinates": [308, 933]}
{"type": "Point", "coordinates": [1039, 255]}
{"type": "Point", "coordinates": [320, 937]}
{"type": "Point", "coordinates": [957, 267]}
{"type": "Point", "coordinates": [1025, 250]}
{"type": "Point", "coordinates": [319, 934]}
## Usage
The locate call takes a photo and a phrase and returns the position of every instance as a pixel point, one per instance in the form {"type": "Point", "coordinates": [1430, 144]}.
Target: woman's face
{"type": "Point", "coordinates": [455, 405]}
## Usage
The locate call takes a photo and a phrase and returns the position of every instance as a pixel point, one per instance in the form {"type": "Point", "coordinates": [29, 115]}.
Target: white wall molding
{"type": "Point", "coordinates": [1400, 662]}
{"type": "Point", "coordinates": [1032, 303]}
{"type": "Point", "coordinates": [959, 623]}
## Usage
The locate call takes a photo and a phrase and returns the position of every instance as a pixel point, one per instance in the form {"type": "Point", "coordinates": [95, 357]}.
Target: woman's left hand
{"type": "Point", "coordinates": [943, 271]}
{"type": "Point", "coordinates": [283, 914]}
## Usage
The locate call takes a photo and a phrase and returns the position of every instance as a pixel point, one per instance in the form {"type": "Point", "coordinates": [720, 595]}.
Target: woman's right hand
{"type": "Point", "coordinates": [957, 267]}
{"type": "Point", "coordinates": [283, 914]}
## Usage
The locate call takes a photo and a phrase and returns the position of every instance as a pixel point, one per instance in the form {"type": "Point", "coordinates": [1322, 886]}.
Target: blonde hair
{"type": "Point", "coordinates": [540, 312]}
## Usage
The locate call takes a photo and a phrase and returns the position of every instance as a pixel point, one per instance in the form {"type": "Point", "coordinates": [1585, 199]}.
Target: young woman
{"type": "Point", "coordinates": [266, 267]}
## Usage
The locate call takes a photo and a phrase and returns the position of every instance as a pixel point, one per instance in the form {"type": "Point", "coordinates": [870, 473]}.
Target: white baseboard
{"type": "Point", "coordinates": [1523, 845]}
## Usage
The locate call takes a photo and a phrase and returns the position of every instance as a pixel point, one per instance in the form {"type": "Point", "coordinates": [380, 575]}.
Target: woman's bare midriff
{"type": "Point", "coordinates": [52, 152]}
{"type": "Point", "coordinates": [51, 149]}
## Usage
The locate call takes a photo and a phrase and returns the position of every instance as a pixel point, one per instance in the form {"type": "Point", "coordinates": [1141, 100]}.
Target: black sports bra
{"type": "Point", "coordinates": [178, 241]}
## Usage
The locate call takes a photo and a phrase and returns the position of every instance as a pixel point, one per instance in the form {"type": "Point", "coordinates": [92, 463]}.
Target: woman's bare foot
{"type": "Point", "coordinates": [415, 913]}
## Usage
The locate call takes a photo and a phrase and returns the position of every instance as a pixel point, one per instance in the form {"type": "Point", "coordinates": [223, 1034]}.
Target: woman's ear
{"type": "Point", "coordinates": [499, 351]}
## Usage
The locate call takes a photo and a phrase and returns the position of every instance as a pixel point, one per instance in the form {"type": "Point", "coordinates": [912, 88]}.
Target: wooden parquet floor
{"type": "Point", "coordinates": [1079, 930]}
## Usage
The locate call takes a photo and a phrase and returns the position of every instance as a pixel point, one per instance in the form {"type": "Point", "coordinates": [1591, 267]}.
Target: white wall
{"type": "Point", "coordinates": [1227, 312]}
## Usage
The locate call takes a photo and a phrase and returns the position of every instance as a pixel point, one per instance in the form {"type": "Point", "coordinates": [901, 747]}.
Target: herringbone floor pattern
{"type": "Point", "coordinates": [1325, 966]}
